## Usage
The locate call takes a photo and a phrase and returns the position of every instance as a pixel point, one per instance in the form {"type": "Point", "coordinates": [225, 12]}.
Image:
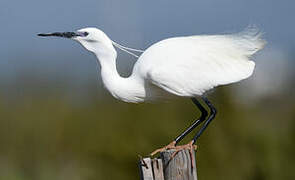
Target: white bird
{"type": "Point", "coordinates": [181, 66]}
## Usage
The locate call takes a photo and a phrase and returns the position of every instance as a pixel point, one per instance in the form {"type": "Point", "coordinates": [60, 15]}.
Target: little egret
{"type": "Point", "coordinates": [181, 66]}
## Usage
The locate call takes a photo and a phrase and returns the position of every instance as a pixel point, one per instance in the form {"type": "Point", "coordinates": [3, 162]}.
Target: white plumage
{"type": "Point", "coordinates": [189, 66]}
{"type": "Point", "coordinates": [180, 66]}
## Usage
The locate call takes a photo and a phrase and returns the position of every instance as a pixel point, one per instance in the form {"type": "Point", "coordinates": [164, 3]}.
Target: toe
{"type": "Point", "coordinates": [157, 151]}
{"type": "Point", "coordinates": [169, 146]}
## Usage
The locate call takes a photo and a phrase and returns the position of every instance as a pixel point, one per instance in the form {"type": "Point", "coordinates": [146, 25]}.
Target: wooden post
{"type": "Point", "coordinates": [167, 168]}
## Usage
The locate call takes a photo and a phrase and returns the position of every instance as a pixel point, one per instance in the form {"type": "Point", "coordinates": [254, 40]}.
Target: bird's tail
{"type": "Point", "coordinates": [249, 40]}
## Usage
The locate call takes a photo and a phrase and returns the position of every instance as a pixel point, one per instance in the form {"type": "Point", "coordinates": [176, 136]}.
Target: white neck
{"type": "Point", "coordinates": [129, 89]}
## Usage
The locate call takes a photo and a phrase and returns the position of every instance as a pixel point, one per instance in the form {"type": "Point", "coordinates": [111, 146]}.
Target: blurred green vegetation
{"type": "Point", "coordinates": [49, 135]}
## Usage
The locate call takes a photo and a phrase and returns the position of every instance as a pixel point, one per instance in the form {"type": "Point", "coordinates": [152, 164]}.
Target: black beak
{"type": "Point", "coordinates": [61, 34]}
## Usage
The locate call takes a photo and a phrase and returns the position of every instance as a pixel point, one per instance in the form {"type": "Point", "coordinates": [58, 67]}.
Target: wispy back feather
{"type": "Point", "coordinates": [250, 40]}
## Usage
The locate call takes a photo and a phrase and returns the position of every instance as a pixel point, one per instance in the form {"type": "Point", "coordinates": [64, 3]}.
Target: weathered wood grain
{"type": "Point", "coordinates": [146, 172]}
{"type": "Point", "coordinates": [179, 167]}
{"type": "Point", "coordinates": [157, 165]}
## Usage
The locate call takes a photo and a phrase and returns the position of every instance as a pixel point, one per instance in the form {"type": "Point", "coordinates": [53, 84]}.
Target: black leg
{"type": "Point", "coordinates": [192, 127]}
{"type": "Point", "coordinates": [212, 115]}
{"type": "Point", "coordinates": [196, 123]}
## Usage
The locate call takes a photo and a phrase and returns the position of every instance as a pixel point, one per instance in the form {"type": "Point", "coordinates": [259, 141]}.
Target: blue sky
{"type": "Point", "coordinates": [134, 23]}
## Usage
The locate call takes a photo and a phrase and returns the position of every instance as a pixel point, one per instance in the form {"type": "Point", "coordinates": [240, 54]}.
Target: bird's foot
{"type": "Point", "coordinates": [169, 146]}
{"type": "Point", "coordinates": [190, 146]}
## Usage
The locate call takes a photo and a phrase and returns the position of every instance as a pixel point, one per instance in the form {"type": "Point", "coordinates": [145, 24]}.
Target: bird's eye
{"type": "Point", "coordinates": [82, 34]}
{"type": "Point", "coordinates": [85, 34]}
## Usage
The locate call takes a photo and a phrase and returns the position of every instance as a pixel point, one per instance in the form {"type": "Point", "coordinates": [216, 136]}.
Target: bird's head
{"type": "Point", "coordinates": [92, 39]}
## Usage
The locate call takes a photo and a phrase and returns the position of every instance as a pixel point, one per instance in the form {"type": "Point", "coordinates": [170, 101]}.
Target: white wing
{"type": "Point", "coordinates": [189, 66]}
